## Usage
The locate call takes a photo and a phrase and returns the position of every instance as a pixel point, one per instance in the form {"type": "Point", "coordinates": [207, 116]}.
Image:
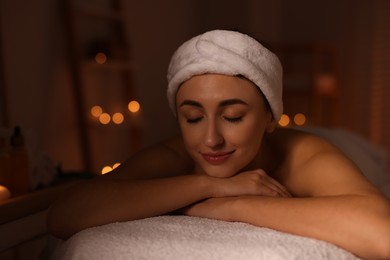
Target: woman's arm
{"type": "Point", "coordinates": [359, 224]}
{"type": "Point", "coordinates": [128, 192]}
{"type": "Point", "coordinates": [100, 202]}
{"type": "Point", "coordinates": [333, 202]}
{"type": "Point", "coordinates": [149, 184]}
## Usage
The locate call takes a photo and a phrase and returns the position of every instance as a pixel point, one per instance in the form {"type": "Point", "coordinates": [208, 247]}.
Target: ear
{"type": "Point", "coordinates": [271, 125]}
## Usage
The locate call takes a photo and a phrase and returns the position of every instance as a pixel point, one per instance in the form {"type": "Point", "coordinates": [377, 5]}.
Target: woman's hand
{"type": "Point", "coordinates": [248, 183]}
{"type": "Point", "coordinates": [255, 182]}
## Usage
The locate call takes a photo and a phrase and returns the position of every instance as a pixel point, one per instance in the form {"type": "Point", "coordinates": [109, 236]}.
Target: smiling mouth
{"type": "Point", "coordinates": [216, 158]}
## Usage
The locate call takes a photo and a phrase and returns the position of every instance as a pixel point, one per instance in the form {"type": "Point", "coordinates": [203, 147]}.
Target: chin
{"type": "Point", "coordinates": [219, 171]}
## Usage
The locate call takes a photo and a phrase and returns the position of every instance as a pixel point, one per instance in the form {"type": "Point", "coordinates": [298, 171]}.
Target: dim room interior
{"type": "Point", "coordinates": [81, 91]}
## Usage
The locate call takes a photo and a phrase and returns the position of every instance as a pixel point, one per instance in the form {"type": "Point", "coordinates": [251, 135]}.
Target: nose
{"type": "Point", "coordinates": [213, 136]}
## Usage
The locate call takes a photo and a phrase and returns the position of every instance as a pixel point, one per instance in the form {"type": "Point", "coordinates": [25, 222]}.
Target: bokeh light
{"type": "Point", "coordinates": [115, 165]}
{"type": "Point", "coordinates": [96, 111]}
{"type": "Point", "coordinates": [106, 169]}
{"type": "Point", "coordinates": [100, 58]}
{"type": "Point", "coordinates": [104, 118]}
{"type": "Point", "coordinates": [284, 120]}
{"type": "Point", "coordinates": [299, 119]}
{"type": "Point", "coordinates": [118, 118]}
{"type": "Point", "coordinates": [134, 106]}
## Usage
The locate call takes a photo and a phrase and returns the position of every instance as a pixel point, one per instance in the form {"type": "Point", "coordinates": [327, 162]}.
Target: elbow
{"type": "Point", "coordinates": [381, 238]}
{"type": "Point", "coordinates": [383, 250]}
{"type": "Point", "coordinates": [53, 227]}
{"type": "Point", "coordinates": [384, 244]}
{"type": "Point", "coordinates": [375, 244]}
{"type": "Point", "coordinates": [56, 225]}
{"type": "Point", "coordinates": [374, 229]}
{"type": "Point", "coordinates": [378, 246]}
{"type": "Point", "coordinates": [63, 218]}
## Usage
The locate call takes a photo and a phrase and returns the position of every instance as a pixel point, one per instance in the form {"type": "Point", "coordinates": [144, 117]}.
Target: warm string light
{"type": "Point", "coordinates": [105, 118]}
{"type": "Point", "coordinates": [298, 119]}
{"type": "Point", "coordinates": [107, 169]}
{"type": "Point", "coordinates": [284, 120]}
{"type": "Point", "coordinates": [117, 117]}
{"type": "Point", "coordinates": [100, 58]}
{"type": "Point", "coordinates": [96, 111]}
{"type": "Point", "coordinates": [134, 106]}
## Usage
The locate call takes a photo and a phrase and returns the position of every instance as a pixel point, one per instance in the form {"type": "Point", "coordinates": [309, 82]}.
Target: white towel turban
{"type": "Point", "coordinates": [228, 53]}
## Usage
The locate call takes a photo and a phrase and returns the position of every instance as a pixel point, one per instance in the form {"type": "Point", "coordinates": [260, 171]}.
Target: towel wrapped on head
{"type": "Point", "coordinates": [228, 53]}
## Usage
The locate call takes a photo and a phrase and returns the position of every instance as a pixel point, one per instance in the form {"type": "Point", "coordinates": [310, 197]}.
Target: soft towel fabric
{"type": "Point", "coordinates": [182, 237]}
{"type": "Point", "coordinates": [228, 53]}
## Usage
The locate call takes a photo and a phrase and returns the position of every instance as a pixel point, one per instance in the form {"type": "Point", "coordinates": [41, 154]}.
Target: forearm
{"type": "Point", "coordinates": [100, 202]}
{"type": "Point", "coordinates": [358, 224]}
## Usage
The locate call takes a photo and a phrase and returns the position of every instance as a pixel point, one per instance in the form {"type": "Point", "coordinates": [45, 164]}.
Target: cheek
{"type": "Point", "coordinates": [191, 136]}
{"type": "Point", "coordinates": [246, 135]}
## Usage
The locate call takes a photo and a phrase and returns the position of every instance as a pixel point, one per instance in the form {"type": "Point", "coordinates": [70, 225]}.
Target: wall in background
{"type": "Point", "coordinates": [37, 77]}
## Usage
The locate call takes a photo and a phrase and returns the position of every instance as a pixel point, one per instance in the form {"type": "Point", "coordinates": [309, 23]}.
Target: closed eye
{"type": "Point", "coordinates": [233, 119]}
{"type": "Point", "coordinates": [194, 120]}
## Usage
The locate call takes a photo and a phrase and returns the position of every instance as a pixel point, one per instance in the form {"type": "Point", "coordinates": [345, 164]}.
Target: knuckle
{"type": "Point", "coordinates": [261, 172]}
{"type": "Point", "coordinates": [256, 176]}
{"type": "Point", "coordinates": [274, 193]}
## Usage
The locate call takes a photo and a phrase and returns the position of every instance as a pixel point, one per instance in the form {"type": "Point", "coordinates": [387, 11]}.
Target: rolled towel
{"type": "Point", "coordinates": [228, 53]}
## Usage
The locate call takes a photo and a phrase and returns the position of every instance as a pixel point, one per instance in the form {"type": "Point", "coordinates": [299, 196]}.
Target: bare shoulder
{"type": "Point", "coordinates": [312, 166]}
{"type": "Point", "coordinates": [298, 147]}
{"type": "Point", "coordinates": [164, 159]}
{"type": "Point", "coordinates": [293, 141]}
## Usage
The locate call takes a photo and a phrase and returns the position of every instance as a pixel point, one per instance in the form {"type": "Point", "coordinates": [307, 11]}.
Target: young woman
{"type": "Point", "coordinates": [231, 162]}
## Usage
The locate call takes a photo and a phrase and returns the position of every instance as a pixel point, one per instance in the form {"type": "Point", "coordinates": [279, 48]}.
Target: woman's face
{"type": "Point", "coordinates": [222, 120]}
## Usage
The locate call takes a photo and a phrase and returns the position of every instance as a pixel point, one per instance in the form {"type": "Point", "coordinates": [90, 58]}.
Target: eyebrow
{"type": "Point", "coordinates": [224, 103]}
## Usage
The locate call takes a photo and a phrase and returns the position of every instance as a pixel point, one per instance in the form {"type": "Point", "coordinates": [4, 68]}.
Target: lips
{"type": "Point", "coordinates": [216, 158]}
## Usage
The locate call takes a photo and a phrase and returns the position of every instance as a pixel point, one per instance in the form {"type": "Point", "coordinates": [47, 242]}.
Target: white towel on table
{"type": "Point", "coordinates": [183, 237]}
